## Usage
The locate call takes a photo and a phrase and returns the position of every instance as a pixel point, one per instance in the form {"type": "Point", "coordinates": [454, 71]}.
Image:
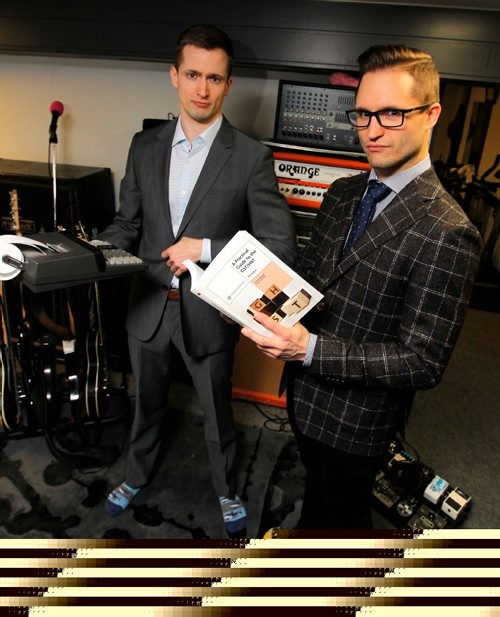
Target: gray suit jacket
{"type": "Point", "coordinates": [237, 189]}
{"type": "Point", "coordinates": [393, 308]}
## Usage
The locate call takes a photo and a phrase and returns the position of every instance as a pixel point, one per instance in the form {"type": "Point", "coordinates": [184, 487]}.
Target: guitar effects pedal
{"type": "Point", "coordinates": [426, 518]}
{"type": "Point", "coordinates": [456, 503]}
{"type": "Point", "coordinates": [435, 490]}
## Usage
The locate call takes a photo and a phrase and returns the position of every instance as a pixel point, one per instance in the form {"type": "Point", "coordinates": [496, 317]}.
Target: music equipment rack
{"type": "Point", "coordinates": [56, 282]}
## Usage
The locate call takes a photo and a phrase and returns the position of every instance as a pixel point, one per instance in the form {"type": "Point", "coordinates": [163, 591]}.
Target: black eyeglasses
{"type": "Point", "coordinates": [388, 118]}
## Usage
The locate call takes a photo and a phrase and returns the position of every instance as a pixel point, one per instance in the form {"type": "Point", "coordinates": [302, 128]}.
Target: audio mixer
{"type": "Point", "coordinates": [315, 115]}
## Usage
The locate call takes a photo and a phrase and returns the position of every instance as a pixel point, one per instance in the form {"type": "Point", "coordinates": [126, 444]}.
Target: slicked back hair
{"type": "Point", "coordinates": [419, 64]}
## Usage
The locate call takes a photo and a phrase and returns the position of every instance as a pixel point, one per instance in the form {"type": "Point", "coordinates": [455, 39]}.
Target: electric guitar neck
{"type": "Point", "coordinates": [97, 378]}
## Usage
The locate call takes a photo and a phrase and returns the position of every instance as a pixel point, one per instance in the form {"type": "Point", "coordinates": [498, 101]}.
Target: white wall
{"type": "Point", "coordinates": [104, 104]}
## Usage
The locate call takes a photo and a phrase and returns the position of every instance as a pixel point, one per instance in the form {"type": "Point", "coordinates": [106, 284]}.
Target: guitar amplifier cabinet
{"type": "Point", "coordinates": [304, 177]}
{"type": "Point", "coordinates": [83, 194]}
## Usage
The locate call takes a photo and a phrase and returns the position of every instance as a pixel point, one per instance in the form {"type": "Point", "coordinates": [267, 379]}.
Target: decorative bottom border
{"type": "Point", "coordinates": [382, 572]}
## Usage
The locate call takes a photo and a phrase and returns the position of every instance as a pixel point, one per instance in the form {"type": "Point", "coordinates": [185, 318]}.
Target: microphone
{"type": "Point", "coordinates": [56, 109]}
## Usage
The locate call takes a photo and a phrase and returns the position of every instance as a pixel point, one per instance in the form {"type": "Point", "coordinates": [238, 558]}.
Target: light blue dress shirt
{"type": "Point", "coordinates": [186, 163]}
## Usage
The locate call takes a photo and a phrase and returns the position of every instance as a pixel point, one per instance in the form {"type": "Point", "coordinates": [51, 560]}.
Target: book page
{"type": "Point", "coordinates": [246, 278]}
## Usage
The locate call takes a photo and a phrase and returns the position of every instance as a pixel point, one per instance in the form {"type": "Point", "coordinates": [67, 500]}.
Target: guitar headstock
{"type": "Point", "coordinates": [14, 212]}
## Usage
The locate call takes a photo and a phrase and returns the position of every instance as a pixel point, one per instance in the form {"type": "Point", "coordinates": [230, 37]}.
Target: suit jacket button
{"type": "Point", "coordinates": [164, 287]}
{"type": "Point", "coordinates": [321, 306]}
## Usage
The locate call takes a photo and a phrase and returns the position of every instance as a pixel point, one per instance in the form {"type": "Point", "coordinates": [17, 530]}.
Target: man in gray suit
{"type": "Point", "coordinates": [395, 293]}
{"type": "Point", "coordinates": [189, 187]}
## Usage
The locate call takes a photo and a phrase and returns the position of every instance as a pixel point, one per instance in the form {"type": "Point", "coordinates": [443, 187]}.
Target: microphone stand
{"type": "Point", "coordinates": [53, 174]}
{"type": "Point", "coordinates": [53, 160]}
{"type": "Point", "coordinates": [69, 345]}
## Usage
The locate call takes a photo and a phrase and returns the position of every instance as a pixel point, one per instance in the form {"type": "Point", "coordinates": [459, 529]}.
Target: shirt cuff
{"type": "Point", "coordinates": [206, 251]}
{"type": "Point", "coordinates": [310, 349]}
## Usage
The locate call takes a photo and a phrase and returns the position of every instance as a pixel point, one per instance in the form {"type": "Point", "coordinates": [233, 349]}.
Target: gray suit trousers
{"type": "Point", "coordinates": [211, 377]}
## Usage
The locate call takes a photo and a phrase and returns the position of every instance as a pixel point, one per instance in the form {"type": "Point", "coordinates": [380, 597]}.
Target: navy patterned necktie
{"type": "Point", "coordinates": [365, 210]}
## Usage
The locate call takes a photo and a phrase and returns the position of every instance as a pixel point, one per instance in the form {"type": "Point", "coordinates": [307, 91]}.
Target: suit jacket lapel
{"type": "Point", "coordinates": [405, 209]}
{"type": "Point", "coordinates": [162, 150]}
{"type": "Point", "coordinates": [340, 215]}
{"type": "Point", "coordinates": [217, 157]}
{"type": "Point", "coordinates": [348, 202]}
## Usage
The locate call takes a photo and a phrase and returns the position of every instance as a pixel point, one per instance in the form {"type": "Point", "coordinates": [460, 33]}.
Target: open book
{"type": "Point", "coordinates": [246, 278]}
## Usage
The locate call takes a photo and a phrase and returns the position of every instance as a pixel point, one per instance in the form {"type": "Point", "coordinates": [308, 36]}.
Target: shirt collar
{"type": "Point", "coordinates": [207, 136]}
{"type": "Point", "coordinates": [398, 181]}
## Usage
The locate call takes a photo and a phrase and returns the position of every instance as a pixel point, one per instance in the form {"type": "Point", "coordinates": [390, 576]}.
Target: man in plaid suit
{"type": "Point", "coordinates": [394, 299]}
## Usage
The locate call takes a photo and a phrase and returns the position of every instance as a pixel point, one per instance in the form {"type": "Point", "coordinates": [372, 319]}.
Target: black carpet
{"type": "Point", "coordinates": [45, 497]}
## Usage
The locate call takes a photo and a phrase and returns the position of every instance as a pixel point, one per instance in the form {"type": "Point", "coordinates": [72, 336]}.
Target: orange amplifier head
{"type": "Point", "coordinates": [304, 178]}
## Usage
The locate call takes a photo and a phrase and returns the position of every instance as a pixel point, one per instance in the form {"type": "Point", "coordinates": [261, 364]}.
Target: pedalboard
{"type": "Point", "coordinates": [314, 115]}
{"type": "Point", "coordinates": [417, 498]}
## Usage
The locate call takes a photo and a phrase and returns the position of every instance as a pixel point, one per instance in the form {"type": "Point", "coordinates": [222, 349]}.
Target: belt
{"type": "Point", "coordinates": [174, 294]}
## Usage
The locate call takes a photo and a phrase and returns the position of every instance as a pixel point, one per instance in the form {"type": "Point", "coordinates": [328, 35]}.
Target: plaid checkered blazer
{"type": "Point", "coordinates": [393, 307]}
